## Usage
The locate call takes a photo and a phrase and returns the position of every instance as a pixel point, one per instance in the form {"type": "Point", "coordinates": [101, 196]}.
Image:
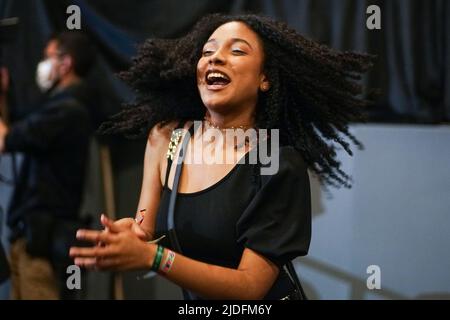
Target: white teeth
{"type": "Point", "coordinates": [217, 75]}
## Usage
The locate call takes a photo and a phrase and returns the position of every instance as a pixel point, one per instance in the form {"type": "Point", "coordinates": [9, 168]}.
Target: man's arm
{"type": "Point", "coordinates": [50, 128]}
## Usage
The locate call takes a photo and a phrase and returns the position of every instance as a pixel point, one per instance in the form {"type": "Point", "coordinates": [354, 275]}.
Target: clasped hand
{"type": "Point", "coordinates": [121, 246]}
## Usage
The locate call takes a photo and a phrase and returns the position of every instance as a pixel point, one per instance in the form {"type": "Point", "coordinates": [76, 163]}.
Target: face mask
{"type": "Point", "coordinates": [43, 75]}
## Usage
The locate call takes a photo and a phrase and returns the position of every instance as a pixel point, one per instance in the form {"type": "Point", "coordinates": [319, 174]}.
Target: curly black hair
{"type": "Point", "coordinates": [314, 91]}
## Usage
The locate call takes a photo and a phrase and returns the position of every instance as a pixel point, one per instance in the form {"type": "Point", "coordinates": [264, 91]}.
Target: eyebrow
{"type": "Point", "coordinates": [233, 40]}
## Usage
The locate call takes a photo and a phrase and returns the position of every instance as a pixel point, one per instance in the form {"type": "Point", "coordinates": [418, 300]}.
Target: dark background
{"type": "Point", "coordinates": [412, 71]}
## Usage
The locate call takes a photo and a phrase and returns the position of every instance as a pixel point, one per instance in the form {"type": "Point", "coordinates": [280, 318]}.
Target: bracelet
{"type": "Point", "coordinates": [158, 258]}
{"type": "Point", "coordinates": [169, 261]}
{"type": "Point", "coordinates": [151, 273]}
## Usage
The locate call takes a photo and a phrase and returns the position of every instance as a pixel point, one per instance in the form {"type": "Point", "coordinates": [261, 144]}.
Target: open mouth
{"type": "Point", "coordinates": [216, 79]}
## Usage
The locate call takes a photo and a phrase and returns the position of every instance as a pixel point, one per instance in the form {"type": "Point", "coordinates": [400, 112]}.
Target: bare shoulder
{"type": "Point", "coordinates": [159, 137]}
{"type": "Point", "coordinates": [158, 143]}
{"type": "Point", "coordinates": [160, 134]}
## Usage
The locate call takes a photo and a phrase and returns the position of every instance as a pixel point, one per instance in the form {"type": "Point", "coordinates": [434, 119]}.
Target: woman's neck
{"type": "Point", "coordinates": [225, 121]}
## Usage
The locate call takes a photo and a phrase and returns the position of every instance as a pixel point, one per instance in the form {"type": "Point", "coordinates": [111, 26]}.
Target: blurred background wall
{"type": "Point", "coordinates": [397, 215]}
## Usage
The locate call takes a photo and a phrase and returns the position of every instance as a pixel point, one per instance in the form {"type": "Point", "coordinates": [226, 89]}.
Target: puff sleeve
{"type": "Point", "coordinates": [277, 222]}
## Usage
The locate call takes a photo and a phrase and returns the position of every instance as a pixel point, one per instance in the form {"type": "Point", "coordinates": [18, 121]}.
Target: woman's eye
{"type": "Point", "coordinates": [207, 52]}
{"type": "Point", "coordinates": [238, 51]}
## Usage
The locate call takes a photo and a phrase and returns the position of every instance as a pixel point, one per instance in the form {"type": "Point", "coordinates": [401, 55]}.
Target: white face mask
{"type": "Point", "coordinates": [43, 75]}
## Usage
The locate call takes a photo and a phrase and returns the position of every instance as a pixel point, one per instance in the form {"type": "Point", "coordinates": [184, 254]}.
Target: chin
{"type": "Point", "coordinates": [215, 103]}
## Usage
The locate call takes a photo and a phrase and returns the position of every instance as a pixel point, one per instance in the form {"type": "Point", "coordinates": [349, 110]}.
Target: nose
{"type": "Point", "coordinates": [217, 58]}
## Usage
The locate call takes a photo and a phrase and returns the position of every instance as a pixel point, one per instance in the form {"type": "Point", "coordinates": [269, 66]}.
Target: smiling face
{"type": "Point", "coordinates": [230, 70]}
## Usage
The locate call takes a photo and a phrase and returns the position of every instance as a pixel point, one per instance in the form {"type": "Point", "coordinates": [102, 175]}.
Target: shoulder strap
{"type": "Point", "coordinates": [176, 180]}
{"type": "Point", "coordinates": [169, 165]}
{"type": "Point", "coordinates": [173, 195]}
{"type": "Point", "coordinates": [172, 147]}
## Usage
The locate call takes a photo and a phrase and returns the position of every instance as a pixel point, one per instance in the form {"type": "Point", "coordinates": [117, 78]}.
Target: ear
{"type": "Point", "coordinates": [264, 83]}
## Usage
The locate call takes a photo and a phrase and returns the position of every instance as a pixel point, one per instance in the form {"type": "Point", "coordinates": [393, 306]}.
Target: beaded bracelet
{"type": "Point", "coordinates": [158, 258]}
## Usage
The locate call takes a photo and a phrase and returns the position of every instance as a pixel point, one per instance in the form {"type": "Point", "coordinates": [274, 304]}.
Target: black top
{"type": "Point", "coordinates": [267, 214]}
{"type": "Point", "coordinates": [55, 141]}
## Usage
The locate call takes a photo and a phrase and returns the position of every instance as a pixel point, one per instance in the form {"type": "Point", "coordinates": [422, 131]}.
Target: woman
{"type": "Point", "coordinates": [236, 228]}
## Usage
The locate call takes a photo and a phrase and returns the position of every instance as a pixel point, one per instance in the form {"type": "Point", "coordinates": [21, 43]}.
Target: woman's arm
{"type": "Point", "coordinates": [125, 251]}
{"type": "Point", "coordinates": [252, 279]}
{"type": "Point", "coordinates": [157, 144]}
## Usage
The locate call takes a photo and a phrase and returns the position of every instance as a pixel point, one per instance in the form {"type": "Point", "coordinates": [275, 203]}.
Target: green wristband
{"type": "Point", "coordinates": [158, 258]}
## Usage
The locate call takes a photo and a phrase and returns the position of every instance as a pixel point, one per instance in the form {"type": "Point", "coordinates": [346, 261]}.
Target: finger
{"type": "Point", "coordinates": [100, 243]}
{"type": "Point", "coordinates": [98, 264]}
{"type": "Point", "coordinates": [125, 223]}
{"type": "Point", "coordinates": [109, 224]}
{"type": "Point", "coordinates": [91, 252]}
{"type": "Point", "coordinates": [90, 263]}
{"type": "Point", "coordinates": [139, 232]}
{"type": "Point", "coordinates": [101, 217]}
{"type": "Point", "coordinates": [110, 263]}
{"type": "Point", "coordinates": [95, 236]}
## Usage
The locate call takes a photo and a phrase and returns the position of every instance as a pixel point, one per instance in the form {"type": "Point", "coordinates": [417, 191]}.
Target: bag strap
{"type": "Point", "coordinates": [293, 275]}
{"type": "Point", "coordinates": [174, 140]}
{"type": "Point", "coordinates": [173, 195]}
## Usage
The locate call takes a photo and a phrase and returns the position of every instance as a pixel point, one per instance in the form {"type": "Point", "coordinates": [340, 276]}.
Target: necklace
{"type": "Point", "coordinates": [241, 143]}
{"type": "Point", "coordinates": [214, 126]}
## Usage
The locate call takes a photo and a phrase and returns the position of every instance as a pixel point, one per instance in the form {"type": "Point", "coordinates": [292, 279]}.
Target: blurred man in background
{"type": "Point", "coordinates": [54, 140]}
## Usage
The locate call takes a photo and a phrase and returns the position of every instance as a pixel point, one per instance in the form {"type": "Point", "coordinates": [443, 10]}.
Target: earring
{"type": "Point", "coordinates": [264, 87]}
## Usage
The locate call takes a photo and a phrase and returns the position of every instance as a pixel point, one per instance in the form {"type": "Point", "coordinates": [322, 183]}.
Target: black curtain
{"type": "Point", "coordinates": [413, 49]}
{"type": "Point", "coordinates": [412, 71]}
